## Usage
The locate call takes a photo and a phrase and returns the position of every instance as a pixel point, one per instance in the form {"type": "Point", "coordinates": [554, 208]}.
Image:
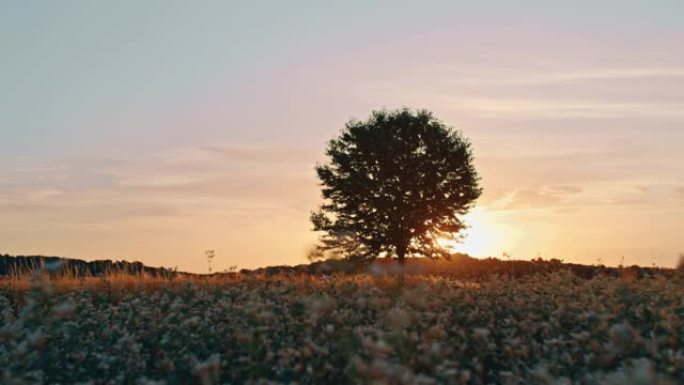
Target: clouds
{"type": "Point", "coordinates": [611, 177]}
{"type": "Point", "coordinates": [553, 92]}
{"type": "Point", "coordinates": [190, 181]}
{"type": "Point", "coordinates": [527, 75]}
{"type": "Point", "coordinates": [245, 154]}
{"type": "Point", "coordinates": [619, 197]}
{"type": "Point", "coordinates": [541, 108]}
{"type": "Point", "coordinates": [538, 198]}
{"type": "Point", "coordinates": [504, 78]}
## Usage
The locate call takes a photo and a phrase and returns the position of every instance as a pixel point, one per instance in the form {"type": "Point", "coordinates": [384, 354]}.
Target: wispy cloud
{"type": "Point", "coordinates": [606, 196]}
{"type": "Point", "coordinates": [537, 108]}
{"type": "Point", "coordinates": [503, 77]}
{"type": "Point", "coordinates": [199, 181]}
{"type": "Point", "coordinates": [242, 154]}
{"type": "Point", "coordinates": [538, 92]}
{"type": "Point", "coordinates": [262, 154]}
{"type": "Point", "coordinates": [540, 197]}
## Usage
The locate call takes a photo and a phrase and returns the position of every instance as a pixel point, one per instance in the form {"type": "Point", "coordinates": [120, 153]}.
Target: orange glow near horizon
{"type": "Point", "coordinates": [484, 237]}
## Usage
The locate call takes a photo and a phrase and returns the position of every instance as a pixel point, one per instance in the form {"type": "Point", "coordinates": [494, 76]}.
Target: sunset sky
{"type": "Point", "coordinates": [153, 131]}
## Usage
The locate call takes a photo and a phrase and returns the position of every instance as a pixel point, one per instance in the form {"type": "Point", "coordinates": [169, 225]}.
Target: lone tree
{"type": "Point", "coordinates": [394, 185]}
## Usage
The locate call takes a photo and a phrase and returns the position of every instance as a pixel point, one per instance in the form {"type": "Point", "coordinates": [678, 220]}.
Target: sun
{"type": "Point", "coordinates": [486, 236]}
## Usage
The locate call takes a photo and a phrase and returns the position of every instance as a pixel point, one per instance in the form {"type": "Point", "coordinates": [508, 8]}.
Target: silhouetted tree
{"type": "Point", "coordinates": [210, 257]}
{"type": "Point", "coordinates": [394, 185]}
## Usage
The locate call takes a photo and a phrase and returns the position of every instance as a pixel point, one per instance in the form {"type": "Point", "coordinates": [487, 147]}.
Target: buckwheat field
{"type": "Point", "coordinates": [546, 329]}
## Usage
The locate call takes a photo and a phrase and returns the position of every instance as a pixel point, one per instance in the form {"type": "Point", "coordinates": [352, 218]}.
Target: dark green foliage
{"type": "Point", "coordinates": [394, 185]}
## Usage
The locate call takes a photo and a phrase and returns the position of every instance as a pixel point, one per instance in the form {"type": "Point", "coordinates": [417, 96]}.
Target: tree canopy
{"type": "Point", "coordinates": [394, 185]}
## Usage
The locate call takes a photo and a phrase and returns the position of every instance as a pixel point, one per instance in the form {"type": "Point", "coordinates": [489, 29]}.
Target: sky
{"type": "Point", "coordinates": [154, 131]}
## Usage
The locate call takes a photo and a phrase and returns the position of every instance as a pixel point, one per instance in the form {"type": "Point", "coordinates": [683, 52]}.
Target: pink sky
{"type": "Point", "coordinates": [184, 132]}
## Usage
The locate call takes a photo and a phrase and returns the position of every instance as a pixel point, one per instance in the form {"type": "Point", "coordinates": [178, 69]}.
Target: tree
{"type": "Point", "coordinates": [210, 257]}
{"type": "Point", "coordinates": [394, 185]}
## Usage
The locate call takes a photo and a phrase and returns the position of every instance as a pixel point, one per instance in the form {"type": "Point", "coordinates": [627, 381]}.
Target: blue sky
{"type": "Point", "coordinates": [154, 131]}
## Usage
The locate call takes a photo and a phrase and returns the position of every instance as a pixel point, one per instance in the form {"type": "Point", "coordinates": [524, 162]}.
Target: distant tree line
{"type": "Point", "coordinates": [20, 266]}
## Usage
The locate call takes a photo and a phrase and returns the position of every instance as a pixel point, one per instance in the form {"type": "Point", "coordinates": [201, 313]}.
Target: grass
{"type": "Point", "coordinates": [551, 328]}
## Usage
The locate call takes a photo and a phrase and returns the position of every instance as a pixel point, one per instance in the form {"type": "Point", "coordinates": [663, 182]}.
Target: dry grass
{"type": "Point", "coordinates": [115, 282]}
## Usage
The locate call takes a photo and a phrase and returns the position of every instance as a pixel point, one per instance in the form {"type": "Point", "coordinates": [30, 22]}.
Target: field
{"type": "Point", "coordinates": [552, 328]}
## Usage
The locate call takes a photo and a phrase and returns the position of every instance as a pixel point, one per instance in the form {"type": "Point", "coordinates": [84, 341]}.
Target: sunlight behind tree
{"type": "Point", "coordinates": [485, 236]}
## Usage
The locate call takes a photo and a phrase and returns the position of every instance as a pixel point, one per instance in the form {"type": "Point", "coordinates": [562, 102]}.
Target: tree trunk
{"type": "Point", "coordinates": [401, 256]}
